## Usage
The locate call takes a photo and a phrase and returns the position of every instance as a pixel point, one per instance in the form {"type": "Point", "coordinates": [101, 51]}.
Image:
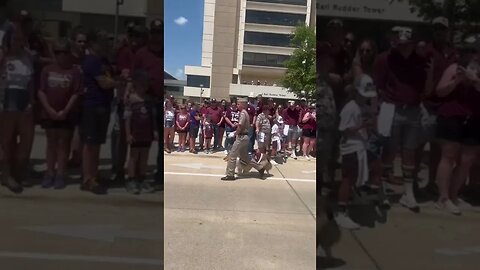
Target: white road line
{"type": "Point", "coordinates": [222, 175]}
{"type": "Point", "coordinates": [66, 257]}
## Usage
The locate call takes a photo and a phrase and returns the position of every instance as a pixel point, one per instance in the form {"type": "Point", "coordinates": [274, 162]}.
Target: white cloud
{"type": "Point", "coordinates": [181, 20]}
{"type": "Point", "coordinates": [179, 74]}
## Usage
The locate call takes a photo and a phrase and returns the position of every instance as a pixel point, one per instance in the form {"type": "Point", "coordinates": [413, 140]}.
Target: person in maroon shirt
{"type": "Point", "coordinates": [309, 131]}
{"type": "Point", "coordinates": [137, 37]}
{"type": "Point", "coordinates": [203, 113]}
{"type": "Point", "coordinates": [150, 58]}
{"type": "Point", "coordinates": [216, 114]}
{"type": "Point", "coordinates": [182, 125]}
{"type": "Point", "coordinates": [60, 85]}
{"type": "Point", "coordinates": [400, 76]}
{"type": "Point", "coordinates": [141, 131]}
{"type": "Point", "coordinates": [78, 51]}
{"type": "Point", "coordinates": [458, 124]}
{"type": "Point", "coordinates": [291, 117]}
{"type": "Point", "coordinates": [441, 55]}
{"type": "Point", "coordinates": [340, 59]}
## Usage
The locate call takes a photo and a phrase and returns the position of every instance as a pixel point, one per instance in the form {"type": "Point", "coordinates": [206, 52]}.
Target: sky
{"type": "Point", "coordinates": [183, 35]}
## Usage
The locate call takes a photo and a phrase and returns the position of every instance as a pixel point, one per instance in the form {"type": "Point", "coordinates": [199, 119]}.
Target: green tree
{"type": "Point", "coordinates": [300, 77]}
{"type": "Point", "coordinates": [464, 15]}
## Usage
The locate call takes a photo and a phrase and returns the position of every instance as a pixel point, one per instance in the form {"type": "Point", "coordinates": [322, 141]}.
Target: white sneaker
{"type": "Point", "coordinates": [306, 157]}
{"type": "Point", "coordinates": [294, 155]}
{"type": "Point", "coordinates": [463, 204]}
{"type": "Point", "coordinates": [409, 202]}
{"type": "Point", "coordinates": [450, 206]}
{"type": "Point", "coordinates": [344, 221]}
{"type": "Point", "coordinates": [273, 162]}
{"type": "Point", "coordinates": [225, 152]}
{"type": "Point", "coordinates": [312, 157]}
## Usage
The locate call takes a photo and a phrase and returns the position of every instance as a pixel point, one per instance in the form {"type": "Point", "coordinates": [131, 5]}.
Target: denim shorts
{"type": "Point", "coordinates": [16, 100]}
{"type": "Point", "coordinates": [407, 131]}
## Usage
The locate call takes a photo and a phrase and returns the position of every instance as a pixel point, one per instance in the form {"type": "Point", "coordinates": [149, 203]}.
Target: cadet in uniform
{"type": "Point", "coordinates": [240, 147]}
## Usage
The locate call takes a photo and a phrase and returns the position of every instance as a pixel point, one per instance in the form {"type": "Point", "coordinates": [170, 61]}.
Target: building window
{"type": "Point", "coordinates": [197, 80]}
{"type": "Point", "coordinates": [286, 2]}
{"type": "Point", "coordinates": [263, 59]}
{"type": "Point", "coordinates": [274, 18]}
{"type": "Point", "coordinates": [268, 39]}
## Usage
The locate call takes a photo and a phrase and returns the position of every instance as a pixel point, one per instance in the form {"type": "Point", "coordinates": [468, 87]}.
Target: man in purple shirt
{"type": "Point", "coordinates": [97, 100]}
{"type": "Point", "coordinates": [217, 116]}
{"type": "Point", "coordinates": [400, 76]}
{"type": "Point", "coordinates": [291, 118]}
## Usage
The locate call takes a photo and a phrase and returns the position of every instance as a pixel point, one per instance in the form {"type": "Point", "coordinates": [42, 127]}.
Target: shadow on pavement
{"type": "Point", "coordinates": [329, 263]}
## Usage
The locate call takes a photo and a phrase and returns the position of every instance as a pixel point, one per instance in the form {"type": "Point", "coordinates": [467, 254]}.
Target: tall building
{"type": "Point", "coordinates": [246, 41]}
{"type": "Point", "coordinates": [59, 16]}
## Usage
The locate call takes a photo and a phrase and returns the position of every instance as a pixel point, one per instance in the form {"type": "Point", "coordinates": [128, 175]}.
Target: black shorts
{"type": "Point", "coordinates": [350, 166]}
{"type": "Point", "coordinates": [141, 144]}
{"type": "Point", "coordinates": [459, 129]}
{"type": "Point", "coordinates": [193, 132]}
{"type": "Point", "coordinates": [55, 124]}
{"type": "Point", "coordinates": [309, 133]}
{"type": "Point", "coordinates": [94, 126]}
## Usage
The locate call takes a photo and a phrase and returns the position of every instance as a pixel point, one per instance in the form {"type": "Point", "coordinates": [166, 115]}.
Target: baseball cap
{"type": "Point", "coordinates": [365, 86]}
{"type": "Point", "coordinates": [471, 41]}
{"type": "Point", "coordinates": [404, 33]}
{"type": "Point", "coordinates": [156, 26]}
{"type": "Point", "coordinates": [441, 21]}
{"type": "Point", "coordinates": [24, 16]}
{"type": "Point", "coordinates": [335, 23]}
{"type": "Point", "coordinates": [242, 100]}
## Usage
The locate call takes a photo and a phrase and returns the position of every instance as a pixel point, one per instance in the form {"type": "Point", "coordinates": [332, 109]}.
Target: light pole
{"type": "Point", "coordinates": [201, 93]}
{"type": "Point", "coordinates": [117, 11]}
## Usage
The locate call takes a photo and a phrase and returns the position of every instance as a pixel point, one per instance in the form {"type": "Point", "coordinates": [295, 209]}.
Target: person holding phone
{"type": "Point", "coordinates": [458, 124]}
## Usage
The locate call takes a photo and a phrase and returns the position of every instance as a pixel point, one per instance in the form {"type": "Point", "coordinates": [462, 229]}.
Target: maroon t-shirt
{"type": "Point", "coordinates": [442, 60]}
{"type": "Point", "coordinates": [216, 114]}
{"type": "Point", "coordinates": [208, 130]}
{"type": "Point", "coordinates": [153, 64]}
{"type": "Point", "coordinates": [463, 102]}
{"type": "Point", "coordinates": [142, 120]}
{"type": "Point", "coordinates": [400, 80]}
{"type": "Point", "coordinates": [203, 110]}
{"type": "Point", "coordinates": [311, 124]}
{"type": "Point", "coordinates": [125, 58]}
{"type": "Point", "coordinates": [251, 113]}
{"type": "Point", "coordinates": [59, 85]}
{"type": "Point", "coordinates": [232, 115]}
{"type": "Point", "coordinates": [183, 119]}
{"type": "Point", "coordinates": [291, 116]}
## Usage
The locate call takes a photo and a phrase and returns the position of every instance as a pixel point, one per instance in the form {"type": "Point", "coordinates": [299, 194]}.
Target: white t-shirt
{"type": "Point", "coordinates": [275, 133]}
{"type": "Point", "coordinates": [351, 116]}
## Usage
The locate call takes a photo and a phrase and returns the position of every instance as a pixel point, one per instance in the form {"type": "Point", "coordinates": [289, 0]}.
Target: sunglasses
{"type": "Point", "coordinates": [365, 50]}
{"type": "Point", "coordinates": [347, 40]}
{"type": "Point", "coordinates": [61, 52]}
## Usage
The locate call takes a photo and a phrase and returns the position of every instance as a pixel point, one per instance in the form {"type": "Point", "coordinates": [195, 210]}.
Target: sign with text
{"type": "Point", "coordinates": [135, 8]}
{"type": "Point", "coordinates": [392, 10]}
{"type": "Point", "coordinates": [246, 90]}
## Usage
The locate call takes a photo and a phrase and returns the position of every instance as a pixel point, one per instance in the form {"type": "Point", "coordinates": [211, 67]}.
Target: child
{"type": "Point", "coordinates": [60, 85]}
{"type": "Point", "coordinates": [208, 133]}
{"type": "Point", "coordinates": [276, 138]}
{"type": "Point", "coordinates": [182, 125]}
{"type": "Point", "coordinates": [141, 132]}
{"type": "Point", "coordinates": [353, 151]}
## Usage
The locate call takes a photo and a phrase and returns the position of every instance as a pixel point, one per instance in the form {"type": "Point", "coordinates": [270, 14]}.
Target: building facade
{"type": "Point", "coordinates": [58, 17]}
{"type": "Point", "coordinates": [246, 42]}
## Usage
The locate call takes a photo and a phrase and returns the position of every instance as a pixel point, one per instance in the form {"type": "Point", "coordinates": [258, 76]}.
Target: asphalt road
{"type": "Point", "coordinates": [69, 229]}
{"type": "Point", "coordinates": [244, 224]}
